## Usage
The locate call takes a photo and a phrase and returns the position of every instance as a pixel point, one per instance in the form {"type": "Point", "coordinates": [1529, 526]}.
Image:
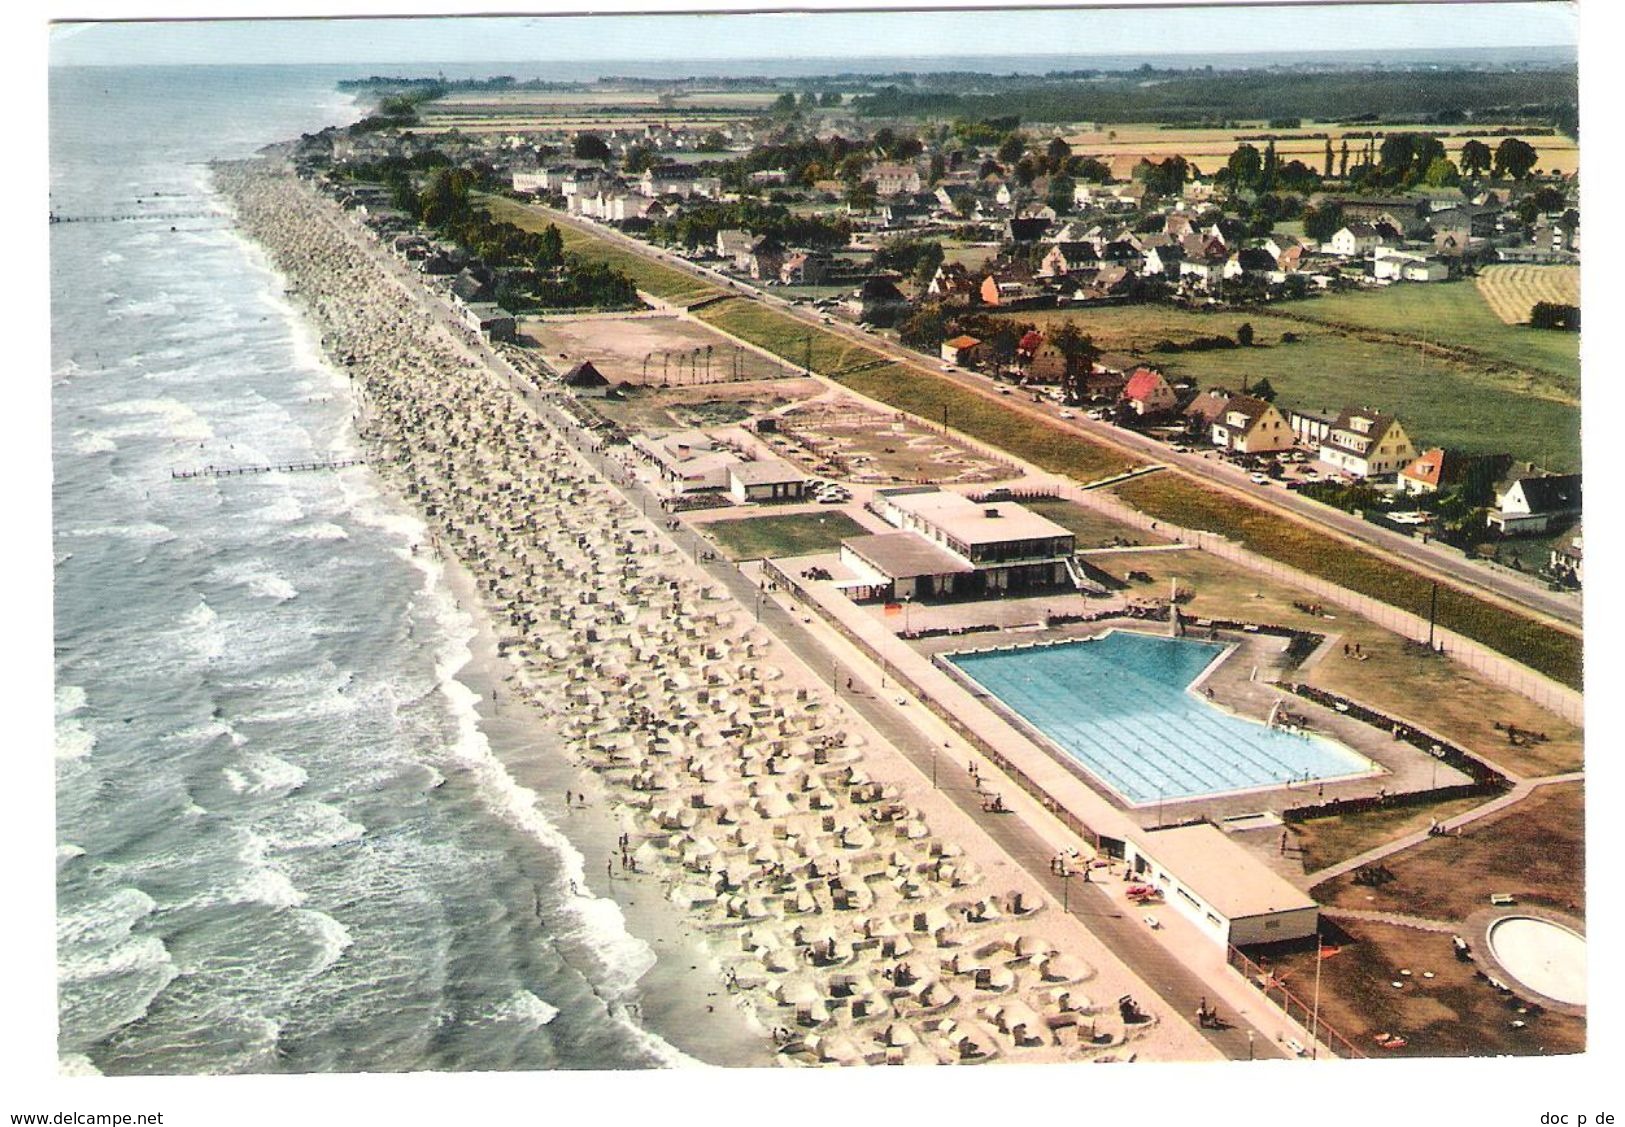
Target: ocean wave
{"type": "Point", "coordinates": [257, 577]}
{"type": "Point", "coordinates": [112, 258]}
{"type": "Point", "coordinates": [88, 442]}
{"type": "Point", "coordinates": [268, 886]}
{"type": "Point", "coordinates": [147, 530]}
{"type": "Point", "coordinates": [160, 305]}
{"type": "Point", "coordinates": [332, 938]}
{"type": "Point", "coordinates": [67, 851]}
{"type": "Point", "coordinates": [73, 739]}
{"type": "Point", "coordinates": [323, 531]}
{"type": "Point", "coordinates": [307, 825]}
{"type": "Point", "coordinates": [199, 630]}
{"type": "Point", "coordinates": [265, 775]}
{"type": "Point", "coordinates": [76, 1064]}
{"type": "Point", "coordinates": [175, 420]}
{"type": "Point", "coordinates": [69, 699]}
{"type": "Point", "coordinates": [103, 921]}
{"type": "Point", "coordinates": [526, 1009]}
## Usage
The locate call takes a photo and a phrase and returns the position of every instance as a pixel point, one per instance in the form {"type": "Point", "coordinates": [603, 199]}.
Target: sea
{"type": "Point", "coordinates": [284, 840]}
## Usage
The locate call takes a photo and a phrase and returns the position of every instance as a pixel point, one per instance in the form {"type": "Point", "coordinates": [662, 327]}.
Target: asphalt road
{"type": "Point", "coordinates": [1438, 560]}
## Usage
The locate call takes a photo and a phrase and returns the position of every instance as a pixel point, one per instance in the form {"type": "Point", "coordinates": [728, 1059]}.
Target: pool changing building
{"type": "Point", "coordinates": [1231, 896]}
{"type": "Point", "coordinates": [948, 545]}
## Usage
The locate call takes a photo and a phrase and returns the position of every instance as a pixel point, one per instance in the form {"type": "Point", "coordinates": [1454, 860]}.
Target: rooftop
{"type": "Point", "coordinates": [905, 555]}
{"type": "Point", "coordinates": [970, 523]}
{"type": "Point", "coordinates": [1221, 872]}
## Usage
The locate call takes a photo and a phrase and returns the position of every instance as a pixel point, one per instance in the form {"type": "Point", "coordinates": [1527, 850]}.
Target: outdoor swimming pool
{"type": "Point", "coordinates": [1120, 706]}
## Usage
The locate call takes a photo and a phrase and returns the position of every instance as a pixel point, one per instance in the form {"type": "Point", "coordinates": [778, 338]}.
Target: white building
{"type": "Point", "coordinates": [1231, 897]}
{"type": "Point", "coordinates": [1354, 240]}
{"type": "Point", "coordinates": [1367, 444]}
{"type": "Point", "coordinates": [765, 480]}
{"type": "Point", "coordinates": [1395, 265]}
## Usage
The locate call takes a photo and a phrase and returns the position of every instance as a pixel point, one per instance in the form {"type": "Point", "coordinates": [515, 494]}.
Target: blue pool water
{"type": "Point", "coordinates": [1120, 705]}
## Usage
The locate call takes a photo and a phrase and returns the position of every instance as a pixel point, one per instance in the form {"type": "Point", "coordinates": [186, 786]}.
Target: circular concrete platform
{"type": "Point", "coordinates": [1543, 955]}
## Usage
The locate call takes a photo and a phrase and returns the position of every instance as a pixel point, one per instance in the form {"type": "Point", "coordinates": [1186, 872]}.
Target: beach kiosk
{"type": "Point", "coordinates": [1230, 895]}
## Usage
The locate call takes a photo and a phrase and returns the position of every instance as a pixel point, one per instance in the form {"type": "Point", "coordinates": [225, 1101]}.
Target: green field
{"type": "Point", "coordinates": [1175, 498]}
{"type": "Point", "coordinates": [793, 534]}
{"type": "Point", "coordinates": [1443, 400]}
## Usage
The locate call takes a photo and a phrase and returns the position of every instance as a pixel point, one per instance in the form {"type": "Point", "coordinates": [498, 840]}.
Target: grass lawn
{"type": "Point", "coordinates": [793, 534]}
{"type": "Point", "coordinates": [1326, 841]}
{"type": "Point", "coordinates": [1534, 849]}
{"type": "Point", "coordinates": [1452, 1014]}
{"type": "Point", "coordinates": [1092, 529]}
{"type": "Point", "coordinates": [1481, 402]}
{"type": "Point", "coordinates": [1172, 497]}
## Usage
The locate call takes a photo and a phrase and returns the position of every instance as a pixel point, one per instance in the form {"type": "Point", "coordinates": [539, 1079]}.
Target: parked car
{"type": "Point", "coordinates": [1258, 479]}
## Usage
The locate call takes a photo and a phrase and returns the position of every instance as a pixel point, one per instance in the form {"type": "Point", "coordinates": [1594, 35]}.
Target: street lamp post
{"type": "Point", "coordinates": [1249, 1044]}
{"type": "Point", "coordinates": [1314, 1021]}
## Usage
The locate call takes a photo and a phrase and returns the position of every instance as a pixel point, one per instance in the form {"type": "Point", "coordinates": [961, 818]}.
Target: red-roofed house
{"type": "Point", "coordinates": [963, 349]}
{"type": "Point", "coordinates": [1148, 392]}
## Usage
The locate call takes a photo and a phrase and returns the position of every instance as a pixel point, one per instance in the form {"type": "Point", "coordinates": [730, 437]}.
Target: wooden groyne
{"type": "Point", "coordinates": [276, 467]}
{"type": "Point", "coordinates": [134, 216]}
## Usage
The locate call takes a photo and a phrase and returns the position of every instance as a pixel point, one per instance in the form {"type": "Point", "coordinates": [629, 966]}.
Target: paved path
{"type": "Point", "coordinates": [1419, 923]}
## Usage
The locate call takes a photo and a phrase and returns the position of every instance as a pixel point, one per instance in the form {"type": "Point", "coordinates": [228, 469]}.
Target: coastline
{"type": "Point", "coordinates": [798, 850]}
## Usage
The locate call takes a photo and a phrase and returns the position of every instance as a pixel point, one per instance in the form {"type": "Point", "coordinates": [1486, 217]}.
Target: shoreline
{"type": "Point", "coordinates": [792, 847]}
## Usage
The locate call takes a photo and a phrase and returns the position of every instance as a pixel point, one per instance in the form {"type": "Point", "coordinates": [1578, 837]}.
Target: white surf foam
{"type": "Point", "coordinates": [332, 937]}
{"type": "Point", "coordinates": [89, 442]}
{"type": "Point", "coordinates": [526, 1009]}
{"type": "Point", "coordinates": [76, 1064]}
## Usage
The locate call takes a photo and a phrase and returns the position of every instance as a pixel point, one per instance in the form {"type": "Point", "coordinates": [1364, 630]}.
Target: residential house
{"type": "Point", "coordinates": [952, 284]}
{"type": "Point", "coordinates": [1395, 265]}
{"type": "Point", "coordinates": [1164, 260]}
{"type": "Point", "coordinates": [766, 258]}
{"type": "Point", "coordinates": [1354, 240]}
{"type": "Point", "coordinates": [1068, 258]}
{"type": "Point", "coordinates": [1533, 503]}
{"type": "Point", "coordinates": [1248, 262]}
{"type": "Point", "coordinates": [1148, 392]}
{"type": "Point", "coordinates": [1311, 428]}
{"type": "Point", "coordinates": [1009, 289]}
{"type": "Point", "coordinates": [734, 245]}
{"type": "Point", "coordinates": [964, 349]}
{"type": "Point", "coordinates": [877, 302]}
{"type": "Point", "coordinates": [1367, 444]}
{"type": "Point", "coordinates": [1567, 559]}
{"type": "Point", "coordinates": [805, 268]}
{"type": "Point", "coordinates": [892, 178]}
{"type": "Point", "coordinates": [1438, 469]}
{"type": "Point", "coordinates": [1249, 425]}
{"type": "Point", "coordinates": [1202, 412]}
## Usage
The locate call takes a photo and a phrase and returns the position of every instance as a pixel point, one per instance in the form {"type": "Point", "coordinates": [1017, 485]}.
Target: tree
{"type": "Point", "coordinates": [1475, 158]}
{"type": "Point", "coordinates": [1056, 153]}
{"type": "Point", "coordinates": [1011, 148]}
{"type": "Point", "coordinates": [1552, 315]}
{"type": "Point", "coordinates": [1321, 223]}
{"type": "Point", "coordinates": [1244, 334]}
{"type": "Point", "coordinates": [1398, 152]}
{"type": "Point", "coordinates": [1061, 188]}
{"type": "Point", "coordinates": [938, 168]}
{"type": "Point", "coordinates": [1441, 173]}
{"type": "Point", "coordinates": [1327, 172]}
{"type": "Point", "coordinates": [1092, 170]}
{"type": "Point", "coordinates": [589, 146]}
{"type": "Point", "coordinates": [1245, 164]}
{"type": "Point", "coordinates": [1003, 343]}
{"type": "Point", "coordinates": [1078, 354]}
{"type": "Point", "coordinates": [830, 98]}
{"type": "Point", "coordinates": [784, 105]}
{"type": "Point", "coordinates": [862, 196]}
{"type": "Point", "coordinates": [1514, 158]}
{"type": "Point", "coordinates": [551, 252]}
{"type": "Point", "coordinates": [1263, 390]}
{"type": "Point", "coordinates": [640, 158]}
{"type": "Point", "coordinates": [715, 141]}
{"type": "Point", "coordinates": [1343, 161]}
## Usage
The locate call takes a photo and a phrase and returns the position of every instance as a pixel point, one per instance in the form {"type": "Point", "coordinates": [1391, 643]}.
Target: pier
{"type": "Point", "coordinates": [277, 467]}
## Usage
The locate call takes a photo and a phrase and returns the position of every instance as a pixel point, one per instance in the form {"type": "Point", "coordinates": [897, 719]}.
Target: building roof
{"type": "Point", "coordinates": [962, 342]}
{"type": "Point", "coordinates": [1209, 405]}
{"type": "Point", "coordinates": [970, 523]}
{"type": "Point", "coordinates": [1430, 468]}
{"type": "Point", "coordinates": [1250, 406]}
{"type": "Point", "coordinates": [1143, 383]}
{"type": "Point", "coordinates": [905, 555]}
{"type": "Point", "coordinates": [1220, 872]}
{"type": "Point", "coordinates": [1552, 494]}
{"type": "Point", "coordinates": [765, 471]}
{"type": "Point", "coordinates": [585, 375]}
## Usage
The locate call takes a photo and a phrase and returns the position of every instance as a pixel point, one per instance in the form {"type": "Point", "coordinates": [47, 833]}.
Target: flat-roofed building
{"type": "Point", "coordinates": [1231, 896]}
{"type": "Point", "coordinates": [688, 461]}
{"type": "Point", "coordinates": [766, 480]}
{"type": "Point", "coordinates": [984, 548]}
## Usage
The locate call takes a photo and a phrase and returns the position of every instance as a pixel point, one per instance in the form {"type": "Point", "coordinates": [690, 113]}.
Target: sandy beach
{"type": "Point", "coordinates": [810, 898]}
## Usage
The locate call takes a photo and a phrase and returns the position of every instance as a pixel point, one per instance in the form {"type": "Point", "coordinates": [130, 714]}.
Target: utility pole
{"type": "Point", "coordinates": [1433, 613]}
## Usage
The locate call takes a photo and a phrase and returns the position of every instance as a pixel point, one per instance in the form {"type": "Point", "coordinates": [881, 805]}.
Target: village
{"type": "Point", "coordinates": [936, 401]}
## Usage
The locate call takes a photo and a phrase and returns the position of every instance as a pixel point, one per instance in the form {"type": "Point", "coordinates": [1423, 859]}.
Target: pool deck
{"type": "Point", "coordinates": [1021, 621]}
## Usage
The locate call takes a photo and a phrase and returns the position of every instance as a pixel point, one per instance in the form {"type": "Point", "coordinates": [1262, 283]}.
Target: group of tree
{"type": "Point", "coordinates": [1263, 172]}
{"type": "Point", "coordinates": [913, 258]}
{"type": "Point", "coordinates": [1555, 315]}
{"type": "Point", "coordinates": [1166, 177]}
{"type": "Point", "coordinates": [697, 225]}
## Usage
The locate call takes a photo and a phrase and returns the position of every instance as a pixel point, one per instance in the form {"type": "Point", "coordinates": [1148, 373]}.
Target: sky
{"type": "Point", "coordinates": [841, 34]}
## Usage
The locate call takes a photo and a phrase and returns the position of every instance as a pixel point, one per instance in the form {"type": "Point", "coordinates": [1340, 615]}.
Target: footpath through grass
{"type": "Point", "coordinates": [1171, 497]}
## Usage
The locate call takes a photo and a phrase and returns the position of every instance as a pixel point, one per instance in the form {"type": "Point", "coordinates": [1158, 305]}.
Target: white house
{"type": "Point", "coordinates": [1393, 264]}
{"type": "Point", "coordinates": [1367, 444]}
{"type": "Point", "coordinates": [1354, 240]}
{"type": "Point", "coordinates": [1532, 504]}
{"type": "Point", "coordinates": [1233, 898]}
{"type": "Point", "coordinates": [766, 479]}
